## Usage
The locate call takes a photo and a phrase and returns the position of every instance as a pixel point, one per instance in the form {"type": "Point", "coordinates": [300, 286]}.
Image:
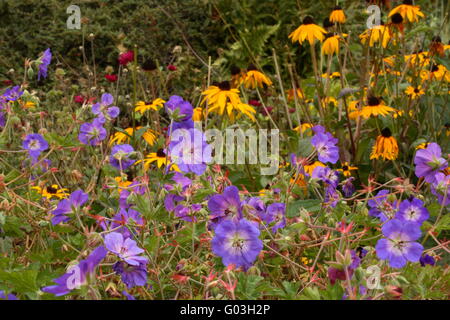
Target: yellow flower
{"type": "Point", "coordinates": [420, 59]}
{"type": "Point", "coordinates": [303, 127]}
{"type": "Point", "coordinates": [396, 23]}
{"type": "Point", "coordinates": [375, 107]}
{"type": "Point", "coordinates": [220, 95]}
{"type": "Point", "coordinates": [414, 93]}
{"type": "Point", "coordinates": [120, 137]}
{"type": "Point", "coordinates": [353, 109]}
{"type": "Point", "coordinates": [333, 75]}
{"type": "Point", "coordinates": [337, 15]}
{"type": "Point", "coordinates": [160, 158]}
{"type": "Point", "coordinates": [309, 168]}
{"type": "Point", "coordinates": [331, 44]}
{"type": "Point", "coordinates": [393, 72]}
{"type": "Point", "coordinates": [298, 180]}
{"type": "Point", "coordinates": [52, 191]}
{"type": "Point", "coordinates": [423, 145]}
{"type": "Point", "coordinates": [237, 76]}
{"type": "Point", "coordinates": [253, 78]}
{"type": "Point", "coordinates": [438, 72]}
{"type": "Point", "coordinates": [346, 169]}
{"type": "Point", "coordinates": [27, 104]}
{"type": "Point", "coordinates": [122, 185]}
{"type": "Point", "coordinates": [400, 113]}
{"type": "Point", "coordinates": [142, 106]}
{"type": "Point", "coordinates": [385, 147]}
{"type": "Point", "coordinates": [330, 100]}
{"type": "Point", "coordinates": [223, 98]}
{"type": "Point", "coordinates": [408, 11]}
{"type": "Point", "coordinates": [241, 108]}
{"type": "Point", "coordinates": [376, 34]}
{"type": "Point", "coordinates": [291, 96]}
{"type": "Point", "coordinates": [198, 114]}
{"type": "Point", "coordinates": [437, 47]}
{"type": "Point", "coordinates": [308, 31]}
{"type": "Point", "coordinates": [389, 60]}
{"type": "Point", "coordinates": [264, 191]}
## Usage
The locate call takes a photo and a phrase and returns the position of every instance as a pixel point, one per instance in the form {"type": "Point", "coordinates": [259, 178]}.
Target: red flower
{"type": "Point", "coordinates": [171, 67]}
{"type": "Point", "coordinates": [263, 111]}
{"type": "Point", "coordinates": [344, 228]}
{"type": "Point", "coordinates": [180, 278]}
{"type": "Point", "coordinates": [254, 102]}
{"type": "Point", "coordinates": [79, 99]}
{"type": "Point", "coordinates": [7, 82]}
{"type": "Point", "coordinates": [126, 57]}
{"type": "Point", "coordinates": [111, 77]}
{"type": "Point", "coordinates": [82, 99]}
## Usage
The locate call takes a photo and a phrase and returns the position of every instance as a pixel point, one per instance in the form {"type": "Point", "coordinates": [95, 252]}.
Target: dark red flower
{"type": "Point", "coordinates": [335, 274]}
{"type": "Point", "coordinates": [7, 82]}
{"type": "Point", "coordinates": [171, 67]}
{"type": "Point", "coordinates": [263, 111]}
{"type": "Point", "coordinates": [111, 77]}
{"type": "Point", "coordinates": [254, 102]}
{"type": "Point", "coordinates": [79, 99]}
{"type": "Point", "coordinates": [126, 57]}
{"type": "Point", "coordinates": [82, 99]}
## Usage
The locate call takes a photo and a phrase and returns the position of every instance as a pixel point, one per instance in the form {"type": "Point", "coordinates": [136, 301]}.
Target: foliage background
{"type": "Point", "coordinates": [222, 29]}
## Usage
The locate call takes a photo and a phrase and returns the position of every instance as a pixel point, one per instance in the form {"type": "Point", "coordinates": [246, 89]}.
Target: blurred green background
{"type": "Point", "coordinates": [184, 33]}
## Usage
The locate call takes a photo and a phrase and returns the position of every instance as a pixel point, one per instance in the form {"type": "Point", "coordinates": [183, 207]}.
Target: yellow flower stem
{"type": "Point", "coordinates": [277, 69]}
{"type": "Point", "coordinates": [208, 84]}
{"type": "Point", "coordinates": [297, 108]}
{"type": "Point", "coordinates": [314, 60]}
{"type": "Point", "coordinates": [349, 125]}
{"type": "Point", "coordinates": [328, 80]}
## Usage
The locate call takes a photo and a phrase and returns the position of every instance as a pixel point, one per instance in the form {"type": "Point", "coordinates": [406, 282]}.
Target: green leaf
{"type": "Point", "coordinates": [22, 281]}
{"type": "Point", "coordinates": [247, 287]}
{"type": "Point", "coordinates": [311, 205]}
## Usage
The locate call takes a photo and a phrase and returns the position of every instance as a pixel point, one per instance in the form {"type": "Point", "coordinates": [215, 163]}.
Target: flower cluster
{"type": "Point", "coordinates": [94, 133]}
{"type": "Point", "coordinates": [237, 234]}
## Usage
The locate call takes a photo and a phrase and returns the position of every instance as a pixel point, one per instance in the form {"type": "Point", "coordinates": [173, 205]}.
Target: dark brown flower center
{"type": "Point", "coordinates": [337, 8]}
{"type": "Point", "coordinates": [408, 2]}
{"type": "Point", "coordinates": [251, 67]}
{"type": "Point", "coordinates": [436, 39]}
{"type": "Point", "coordinates": [327, 23]}
{"type": "Point", "coordinates": [373, 101]}
{"type": "Point", "coordinates": [235, 70]}
{"type": "Point", "coordinates": [416, 90]}
{"type": "Point", "coordinates": [435, 68]}
{"type": "Point", "coordinates": [308, 20]}
{"type": "Point", "coordinates": [160, 153]}
{"type": "Point", "coordinates": [386, 133]}
{"type": "Point", "coordinates": [345, 168]}
{"type": "Point", "coordinates": [51, 190]}
{"type": "Point", "coordinates": [224, 85]}
{"type": "Point", "coordinates": [397, 18]}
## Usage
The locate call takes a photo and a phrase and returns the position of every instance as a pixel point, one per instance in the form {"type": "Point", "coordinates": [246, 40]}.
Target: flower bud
{"type": "Point", "coordinates": [30, 73]}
